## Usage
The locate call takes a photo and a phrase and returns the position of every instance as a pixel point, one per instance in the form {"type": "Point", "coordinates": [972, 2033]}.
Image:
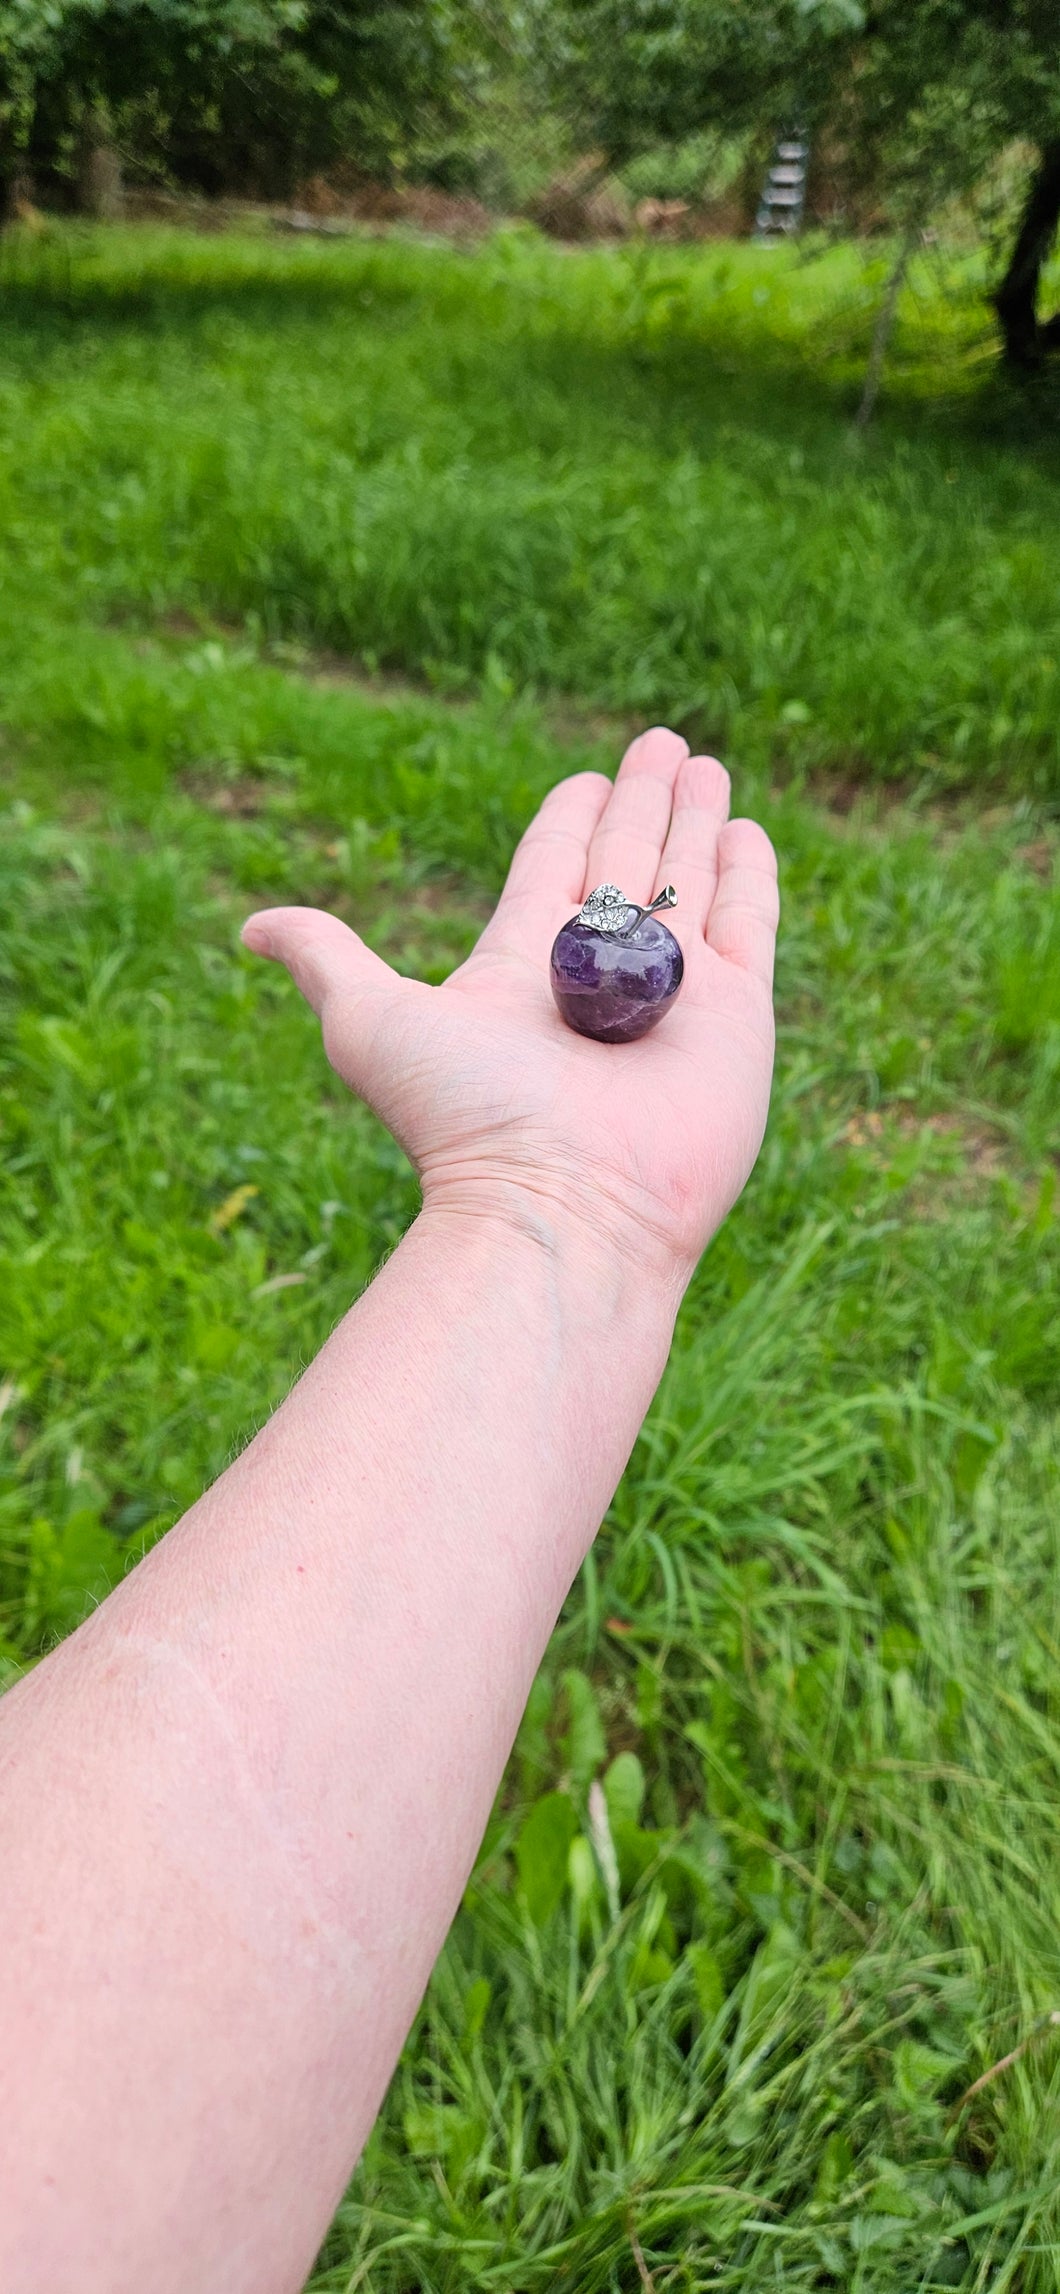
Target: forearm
{"type": "Point", "coordinates": [290, 1723]}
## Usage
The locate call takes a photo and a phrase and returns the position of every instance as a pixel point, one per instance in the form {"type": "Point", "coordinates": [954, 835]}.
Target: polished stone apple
{"type": "Point", "coordinates": [615, 968]}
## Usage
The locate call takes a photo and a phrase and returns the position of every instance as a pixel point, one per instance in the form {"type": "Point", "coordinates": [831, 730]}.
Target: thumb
{"type": "Point", "coordinates": [352, 991]}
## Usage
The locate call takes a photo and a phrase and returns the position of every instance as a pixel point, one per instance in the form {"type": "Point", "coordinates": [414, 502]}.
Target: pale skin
{"type": "Point", "coordinates": [238, 1807]}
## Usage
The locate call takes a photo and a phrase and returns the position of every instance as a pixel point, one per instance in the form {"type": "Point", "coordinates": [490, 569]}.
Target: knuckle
{"type": "Point", "coordinates": [753, 891]}
{"type": "Point", "coordinates": [704, 785]}
{"type": "Point", "coordinates": [576, 784]}
{"type": "Point", "coordinates": [746, 841]}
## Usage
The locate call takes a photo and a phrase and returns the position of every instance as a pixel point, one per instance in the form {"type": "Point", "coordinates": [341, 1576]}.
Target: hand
{"type": "Point", "coordinates": [498, 1104]}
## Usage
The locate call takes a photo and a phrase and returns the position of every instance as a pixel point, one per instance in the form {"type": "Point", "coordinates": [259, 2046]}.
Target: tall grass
{"type": "Point", "coordinates": [624, 474]}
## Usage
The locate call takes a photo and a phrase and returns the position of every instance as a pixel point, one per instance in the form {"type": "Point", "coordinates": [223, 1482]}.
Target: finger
{"type": "Point", "coordinates": [545, 880]}
{"type": "Point", "coordinates": [690, 855]}
{"type": "Point", "coordinates": [348, 986]}
{"type": "Point", "coordinates": [629, 838]}
{"type": "Point", "coordinates": [321, 953]}
{"type": "Point", "coordinates": [742, 924]}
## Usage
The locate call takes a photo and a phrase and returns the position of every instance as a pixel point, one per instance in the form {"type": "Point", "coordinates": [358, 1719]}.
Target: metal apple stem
{"type": "Point", "coordinates": [667, 898]}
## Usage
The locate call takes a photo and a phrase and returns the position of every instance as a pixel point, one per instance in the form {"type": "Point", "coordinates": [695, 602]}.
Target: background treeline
{"type": "Point", "coordinates": [909, 108]}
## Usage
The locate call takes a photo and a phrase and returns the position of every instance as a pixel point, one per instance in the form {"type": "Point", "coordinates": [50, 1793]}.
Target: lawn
{"type": "Point", "coordinates": [319, 565]}
{"type": "Point", "coordinates": [620, 474]}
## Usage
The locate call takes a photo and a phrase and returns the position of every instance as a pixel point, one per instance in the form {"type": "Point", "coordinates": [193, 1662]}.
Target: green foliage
{"type": "Point", "coordinates": [582, 1744]}
{"type": "Point", "coordinates": [219, 91]}
{"type": "Point", "coordinates": [703, 166]}
{"type": "Point", "coordinates": [771, 1881]}
{"type": "Point", "coordinates": [542, 1854]}
{"type": "Point", "coordinates": [936, 93]}
{"type": "Point", "coordinates": [639, 75]}
{"type": "Point", "coordinates": [914, 101]}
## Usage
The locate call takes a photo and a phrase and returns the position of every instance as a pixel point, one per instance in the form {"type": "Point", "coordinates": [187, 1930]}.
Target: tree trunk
{"type": "Point", "coordinates": [1016, 301]}
{"type": "Point", "coordinates": [99, 185]}
{"type": "Point", "coordinates": [884, 323]}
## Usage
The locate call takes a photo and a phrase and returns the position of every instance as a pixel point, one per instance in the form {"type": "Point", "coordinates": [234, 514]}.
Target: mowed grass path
{"type": "Point", "coordinates": [813, 1660]}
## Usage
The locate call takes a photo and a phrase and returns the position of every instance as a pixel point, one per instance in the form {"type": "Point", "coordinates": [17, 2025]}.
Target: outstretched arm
{"type": "Point", "coordinates": [239, 1806]}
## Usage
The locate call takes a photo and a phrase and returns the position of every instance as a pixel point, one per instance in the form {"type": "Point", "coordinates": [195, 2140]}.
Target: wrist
{"type": "Point", "coordinates": [608, 1264]}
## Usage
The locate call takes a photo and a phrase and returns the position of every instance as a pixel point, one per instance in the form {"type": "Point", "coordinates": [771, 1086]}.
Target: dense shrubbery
{"type": "Point", "coordinates": [911, 105]}
{"type": "Point", "coordinates": [224, 94]}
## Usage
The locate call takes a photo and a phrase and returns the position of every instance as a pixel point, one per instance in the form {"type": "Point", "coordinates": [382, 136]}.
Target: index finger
{"type": "Point", "coordinates": [628, 842]}
{"type": "Point", "coordinates": [545, 882]}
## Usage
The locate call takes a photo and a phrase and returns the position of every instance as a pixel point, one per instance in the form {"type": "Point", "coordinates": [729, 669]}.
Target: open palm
{"type": "Point", "coordinates": [497, 1102]}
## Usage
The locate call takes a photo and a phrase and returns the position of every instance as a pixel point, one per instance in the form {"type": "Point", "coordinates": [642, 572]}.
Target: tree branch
{"type": "Point", "coordinates": [882, 331]}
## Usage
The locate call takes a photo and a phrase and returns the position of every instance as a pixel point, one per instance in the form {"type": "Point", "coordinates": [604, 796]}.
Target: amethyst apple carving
{"type": "Point", "coordinates": [615, 968]}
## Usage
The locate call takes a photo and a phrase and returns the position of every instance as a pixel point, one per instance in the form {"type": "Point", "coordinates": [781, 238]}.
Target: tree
{"type": "Point", "coordinates": [250, 91]}
{"type": "Point", "coordinates": [1027, 339]}
{"type": "Point", "coordinates": [921, 95]}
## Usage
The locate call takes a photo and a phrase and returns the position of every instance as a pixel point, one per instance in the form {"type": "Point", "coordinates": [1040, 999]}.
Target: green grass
{"type": "Point", "coordinates": [627, 474]}
{"type": "Point", "coordinates": [710, 2023]}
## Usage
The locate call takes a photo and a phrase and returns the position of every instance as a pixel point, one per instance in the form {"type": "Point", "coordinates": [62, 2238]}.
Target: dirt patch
{"type": "Point", "coordinates": [569, 721]}
{"type": "Point", "coordinates": [324, 208]}
{"type": "Point", "coordinates": [581, 206]}
{"type": "Point", "coordinates": [177, 623]}
{"type": "Point", "coordinates": [338, 669]}
{"type": "Point", "coordinates": [585, 203]}
{"type": "Point", "coordinates": [316, 665]}
{"type": "Point", "coordinates": [842, 792]}
{"type": "Point", "coordinates": [582, 203]}
{"type": "Point", "coordinates": [981, 1146]}
{"type": "Point", "coordinates": [965, 1156]}
{"type": "Point", "coordinates": [867, 806]}
{"type": "Point", "coordinates": [861, 806]}
{"type": "Point", "coordinates": [244, 797]}
{"type": "Point", "coordinates": [1040, 855]}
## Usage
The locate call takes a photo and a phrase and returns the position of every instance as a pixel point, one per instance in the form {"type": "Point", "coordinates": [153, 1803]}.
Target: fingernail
{"type": "Point", "coordinates": [255, 937]}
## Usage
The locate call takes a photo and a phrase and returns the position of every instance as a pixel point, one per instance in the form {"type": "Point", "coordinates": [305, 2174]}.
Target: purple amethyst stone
{"type": "Point", "coordinates": [611, 987]}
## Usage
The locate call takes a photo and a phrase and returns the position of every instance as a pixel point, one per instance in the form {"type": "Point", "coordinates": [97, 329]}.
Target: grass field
{"type": "Point", "coordinates": [622, 474]}
{"type": "Point", "coordinates": [814, 1658]}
